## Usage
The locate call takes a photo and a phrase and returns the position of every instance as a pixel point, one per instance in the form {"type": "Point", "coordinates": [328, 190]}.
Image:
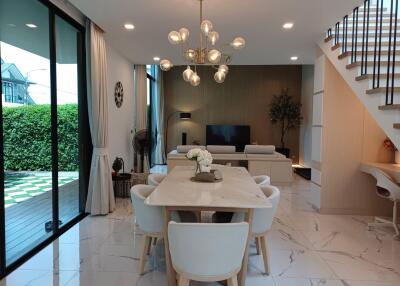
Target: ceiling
{"type": "Point", "coordinates": [258, 21]}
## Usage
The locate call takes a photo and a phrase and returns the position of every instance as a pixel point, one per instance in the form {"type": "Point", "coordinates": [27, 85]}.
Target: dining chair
{"type": "Point", "coordinates": [207, 252]}
{"type": "Point", "coordinates": [149, 219]}
{"type": "Point", "coordinates": [155, 179]}
{"type": "Point", "coordinates": [262, 180]}
{"type": "Point", "coordinates": [386, 188]}
{"type": "Point", "coordinates": [262, 222]}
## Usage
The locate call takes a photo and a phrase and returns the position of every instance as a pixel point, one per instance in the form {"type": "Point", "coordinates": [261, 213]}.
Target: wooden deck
{"type": "Point", "coordinates": [25, 221]}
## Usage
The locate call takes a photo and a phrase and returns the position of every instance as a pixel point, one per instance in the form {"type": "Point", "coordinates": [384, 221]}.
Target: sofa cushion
{"type": "Point", "coordinates": [259, 149]}
{"type": "Point", "coordinates": [186, 148]}
{"type": "Point", "coordinates": [221, 149]}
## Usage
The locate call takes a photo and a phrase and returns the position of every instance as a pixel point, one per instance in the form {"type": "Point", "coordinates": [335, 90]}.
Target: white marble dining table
{"type": "Point", "coordinates": [237, 192]}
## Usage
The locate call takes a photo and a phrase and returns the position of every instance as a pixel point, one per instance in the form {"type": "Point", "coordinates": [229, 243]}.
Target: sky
{"type": "Point", "coordinates": [37, 70]}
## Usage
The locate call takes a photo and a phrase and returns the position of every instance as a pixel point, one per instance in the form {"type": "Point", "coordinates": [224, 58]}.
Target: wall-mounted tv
{"type": "Point", "coordinates": [236, 135]}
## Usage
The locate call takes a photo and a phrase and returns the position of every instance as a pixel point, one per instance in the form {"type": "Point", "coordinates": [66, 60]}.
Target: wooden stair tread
{"type": "Point", "coordinates": [389, 107]}
{"type": "Point", "coordinates": [396, 125]}
{"type": "Point", "coordinates": [370, 76]}
{"type": "Point", "coordinates": [380, 90]}
{"type": "Point", "coordinates": [370, 63]}
{"type": "Point", "coordinates": [359, 44]}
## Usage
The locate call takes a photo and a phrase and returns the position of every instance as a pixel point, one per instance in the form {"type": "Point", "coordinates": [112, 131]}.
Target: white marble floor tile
{"type": "Point", "coordinates": [306, 248]}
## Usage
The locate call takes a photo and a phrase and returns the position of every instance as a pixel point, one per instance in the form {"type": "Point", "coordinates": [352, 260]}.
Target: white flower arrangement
{"type": "Point", "coordinates": [202, 157]}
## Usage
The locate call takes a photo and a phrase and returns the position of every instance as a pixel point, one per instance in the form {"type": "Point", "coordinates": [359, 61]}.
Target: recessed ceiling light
{"type": "Point", "coordinates": [294, 58]}
{"type": "Point", "coordinates": [11, 25]}
{"type": "Point", "coordinates": [288, 25]}
{"type": "Point", "coordinates": [156, 59]}
{"type": "Point", "coordinates": [129, 26]}
{"type": "Point", "coordinates": [33, 26]}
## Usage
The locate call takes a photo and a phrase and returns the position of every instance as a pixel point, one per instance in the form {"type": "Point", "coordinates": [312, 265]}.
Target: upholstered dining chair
{"type": "Point", "coordinates": [262, 222]}
{"type": "Point", "coordinates": [149, 219]}
{"type": "Point", "coordinates": [262, 180]}
{"type": "Point", "coordinates": [155, 179]}
{"type": "Point", "coordinates": [207, 252]}
{"type": "Point", "coordinates": [386, 188]}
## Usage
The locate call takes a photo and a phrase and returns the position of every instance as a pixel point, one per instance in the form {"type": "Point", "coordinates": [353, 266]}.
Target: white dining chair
{"type": "Point", "coordinates": [149, 219]}
{"type": "Point", "coordinates": [262, 222]}
{"type": "Point", "coordinates": [262, 180]}
{"type": "Point", "coordinates": [207, 252]}
{"type": "Point", "coordinates": [155, 179]}
{"type": "Point", "coordinates": [388, 189]}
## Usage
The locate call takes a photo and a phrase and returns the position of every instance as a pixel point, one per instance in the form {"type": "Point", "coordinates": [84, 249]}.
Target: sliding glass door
{"type": "Point", "coordinates": [43, 113]}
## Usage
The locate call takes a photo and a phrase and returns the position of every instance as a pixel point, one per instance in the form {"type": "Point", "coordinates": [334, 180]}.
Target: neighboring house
{"type": "Point", "coordinates": [14, 85]}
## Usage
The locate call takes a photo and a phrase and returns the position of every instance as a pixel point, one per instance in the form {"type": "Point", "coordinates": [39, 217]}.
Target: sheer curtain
{"type": "Point", "coordinates": [140, 118]}
{"type": "Point", "coordinates": [159, 111]}
{"type": "Point", "coordinates": [100, 199]}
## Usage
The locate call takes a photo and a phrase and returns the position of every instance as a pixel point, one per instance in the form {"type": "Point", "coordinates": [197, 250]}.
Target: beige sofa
{"type": "Point", "coordinates": [260, 160]}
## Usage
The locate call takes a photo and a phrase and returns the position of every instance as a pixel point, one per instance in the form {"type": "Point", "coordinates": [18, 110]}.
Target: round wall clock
{"type": "Point", "coordinates": [119, 94]}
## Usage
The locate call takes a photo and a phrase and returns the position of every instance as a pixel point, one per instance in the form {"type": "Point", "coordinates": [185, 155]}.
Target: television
{"type": "Point", "coordinates": [236, 135]}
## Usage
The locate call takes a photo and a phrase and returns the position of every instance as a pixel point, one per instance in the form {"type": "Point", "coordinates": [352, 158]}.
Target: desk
{"type": "Point", "coordinates": [237, 192]}
{"type": "Point", "coordinates": [393, 170]}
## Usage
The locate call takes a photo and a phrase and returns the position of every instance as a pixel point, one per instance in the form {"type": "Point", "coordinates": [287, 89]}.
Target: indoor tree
{"type": "Point", "coordinates": [286, 113]}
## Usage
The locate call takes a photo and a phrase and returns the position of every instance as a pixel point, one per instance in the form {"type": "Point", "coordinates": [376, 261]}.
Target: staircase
{"type": "Point", "coordinates": [365, 49]}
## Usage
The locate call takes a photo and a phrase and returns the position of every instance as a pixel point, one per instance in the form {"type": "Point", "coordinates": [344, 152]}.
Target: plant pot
{"type": "Point", "coordinates": [284, 151]}
{"type": "Point", "coordinates": [397, 157]}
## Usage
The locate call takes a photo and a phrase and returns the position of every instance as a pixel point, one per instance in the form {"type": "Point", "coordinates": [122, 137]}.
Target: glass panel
{"type": "Point", "coordinates": [25, 70]}
{"type": "Point", "coordinates": [67, 116]}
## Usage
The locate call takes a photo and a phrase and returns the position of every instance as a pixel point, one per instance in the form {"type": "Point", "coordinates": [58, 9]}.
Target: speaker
{"type": "Point", "coordinates": [184, 138]}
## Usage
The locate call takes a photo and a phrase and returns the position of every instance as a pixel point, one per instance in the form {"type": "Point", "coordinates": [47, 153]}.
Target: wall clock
{"type": "Point", "coordinates": [119, 94]}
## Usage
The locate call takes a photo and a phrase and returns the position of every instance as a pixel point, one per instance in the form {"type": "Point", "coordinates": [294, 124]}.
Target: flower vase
{"type": "Point", "coordinates": [197, 169]}
{"type": "Point", "coordinates": [397, 157]}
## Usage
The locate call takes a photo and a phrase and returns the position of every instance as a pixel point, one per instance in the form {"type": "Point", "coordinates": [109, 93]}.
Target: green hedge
{"type": "Point", "coordinates": [27, 138]}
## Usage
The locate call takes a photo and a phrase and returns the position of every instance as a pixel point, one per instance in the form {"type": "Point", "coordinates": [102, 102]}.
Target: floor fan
{"type": "Point", "coordinates": [141, 148]}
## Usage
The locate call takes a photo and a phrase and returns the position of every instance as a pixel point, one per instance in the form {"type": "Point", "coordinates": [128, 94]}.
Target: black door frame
{"type": "Point", "coordinates": [85, 144]}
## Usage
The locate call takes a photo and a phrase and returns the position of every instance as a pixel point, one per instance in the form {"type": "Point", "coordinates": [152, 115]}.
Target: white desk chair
{"type": "Point", "coordinates": [207, 252]}
{"type": "Point", "coordinates": [262, 222]}
{"type": "Point", "coordinates": [262, 180]}
{"type": "Point", "coordinates": [149, 219]}
{"type": "Point", "coordinates": [388, 189]}
{"type": "Point", "coordinates": [155, 179]}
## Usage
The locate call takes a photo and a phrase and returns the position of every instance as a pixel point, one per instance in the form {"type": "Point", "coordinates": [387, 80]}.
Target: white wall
{"type": "Point", "coordinates": [307, 90]}
{"type": "Point", "coordinates": [120, 121]}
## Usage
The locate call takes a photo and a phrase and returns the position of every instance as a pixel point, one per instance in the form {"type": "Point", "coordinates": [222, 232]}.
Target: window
{"type": "Point", "coordinates": [43, 127]}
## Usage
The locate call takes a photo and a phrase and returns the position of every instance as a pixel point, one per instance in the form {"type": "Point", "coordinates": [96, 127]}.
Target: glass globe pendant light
{"type": "Point", "coordinates": [223, 68]}
{"type": "Point", "coordinates": [219, 76]}
{"type": "Point", "coordinates": [166, 65]}
{"type": "Point", "coordinates": [213, 37]}
{"type": "Point", "coordinates": [184, 34]}
{"type": "Point", "coordinates": [174, 38]}
{"type": "Point", "coordinates": [187, 74]}
{"type": "Point", "coordinates": [206, 27]}
{"type": "Point", "coordinates": [190, 55]}
{"type": "Point", "coordinates": [195, 79]}
{"type": "Point", "coordinates": [238, 43]}
{"type": "Point", "coordinates": [214, 56]}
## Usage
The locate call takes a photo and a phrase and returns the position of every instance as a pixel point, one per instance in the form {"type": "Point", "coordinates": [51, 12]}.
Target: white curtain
{"type": "Point", "coordinates": [140, 97]}
{"type": "Point", "coordinates": [100, 199]}
{"type": "Point", "coordinates": [141, 107]}
{"type": "Point", "coordinates": [159, 110]}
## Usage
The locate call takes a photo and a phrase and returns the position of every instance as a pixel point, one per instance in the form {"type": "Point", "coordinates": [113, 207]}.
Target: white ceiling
{"type": "Point", "coordinates": [258, 21]}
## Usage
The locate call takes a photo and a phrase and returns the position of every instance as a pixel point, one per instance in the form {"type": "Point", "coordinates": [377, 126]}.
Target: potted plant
{"type": "Point", "coordinates": [287, 114]}
{"type": "Point", "coordinates": [203, 160]}
{"type": "Point", "coordinates": [388, 144]}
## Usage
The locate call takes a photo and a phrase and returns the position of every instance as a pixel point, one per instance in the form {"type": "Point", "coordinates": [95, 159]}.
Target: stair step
{"type": "Point", "coordinates": [370, 76]}
{"type": "Point", "coordinates": [373, 20]}
{"type": "Point", "coordinates": [389, 107]}
{"type": "Point", "coordinates": [396, 125]}
{"type": "Point", "coordinates": [381, 90]}
{"type": "Point", "coordinates": [370, 63]}
{"type": "Point", "coordinates": [370, 44]}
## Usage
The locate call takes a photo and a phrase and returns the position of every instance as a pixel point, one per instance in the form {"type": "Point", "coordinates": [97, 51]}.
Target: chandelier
{"type": "Point", "coordinates": [206, 54]}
